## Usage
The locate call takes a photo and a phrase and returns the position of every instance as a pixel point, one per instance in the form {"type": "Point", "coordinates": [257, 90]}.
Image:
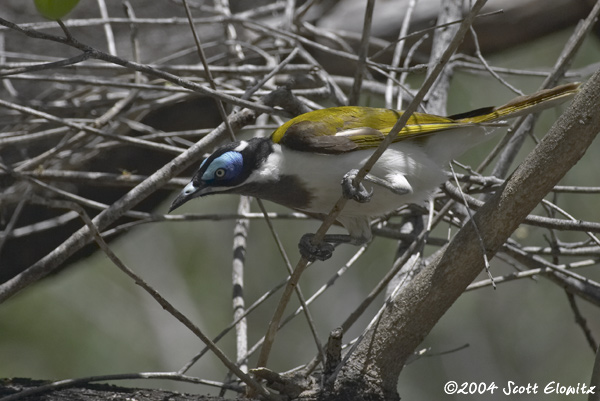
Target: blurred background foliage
{"type": "Point", "coordinates": [91, 320]}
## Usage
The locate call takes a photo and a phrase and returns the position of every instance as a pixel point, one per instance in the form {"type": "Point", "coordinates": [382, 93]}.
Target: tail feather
{"type": "Point", "coordinates": [521, 105]}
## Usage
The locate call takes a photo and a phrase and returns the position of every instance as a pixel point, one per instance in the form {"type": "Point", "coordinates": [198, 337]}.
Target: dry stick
{"type": "Point", "coordinates": [254, 13]}
{"type": "Point", "coordinates": [524, 274]}
{"type": "Point", "coordinates": [397, 56]}
{"type": "Point", "coordinates": [560, 274]}
{"type": "Point", "coordinates": [46, 66]}
{"type": "Point", "coordinates": [437, 96]}
{"type": "Point", "coordinates": [240, 234]}
{"type": "Point", "coordinates": [288, 265]}
{"type": "Point", "coordinates": [8, 230]}
{"type": "Point", "coordinates": [426, 31]}
{"type": "Point", "coordinates": [337, 208]}
{"type": "Point", "coordinates": [228, 70]}
{"type": "Point", "coordinates": [209, 76]}
{"type": "Point", "coordinates": [570, 217]}
{"type": "Point", "coordinates": [334, 90]}
{"type": "Point", "coordinates": [495, 181]}
{"type": "Point", "coordinates": [226, 330]}
{"type": "Point", "coordinates": [222, 6]}
{"type": "Point", "coordinates": [314, 363]}
{"type": "Point", "coordinates": [133, 36]}
{"type": "Point", "coordinates": [581, 321]}
{"type": "Point", "coordinates": [486, 263]}
{"type": "Point", "coordinates": [108, 32]}
{"type": "Point", "coordinates": [407, 62]}
{"type": "Point", "coordinates": [6, 83]}
{"type": "Point", "coordinates": [489, 68]}
{"type": "Point", "coordinates": [577, 250]}
{"type": "Point", "coordinates": [332, 36]}
{"type": "Point", "coordinates": [362, 53]}
{"type": "Point", "coordinates": [80, 200]}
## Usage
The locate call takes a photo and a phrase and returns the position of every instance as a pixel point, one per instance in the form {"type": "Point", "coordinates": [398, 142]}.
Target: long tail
{"type": "Point", "coordinates": [521, 105]}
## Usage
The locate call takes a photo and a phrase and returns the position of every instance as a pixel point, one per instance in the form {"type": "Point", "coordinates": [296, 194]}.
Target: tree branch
{"type": "Point", "coordinates": [417, 309]}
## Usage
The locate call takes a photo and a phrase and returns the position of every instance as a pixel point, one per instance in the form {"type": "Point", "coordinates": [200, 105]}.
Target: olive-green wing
{"type": "Point", "coordinates": [346, 129]}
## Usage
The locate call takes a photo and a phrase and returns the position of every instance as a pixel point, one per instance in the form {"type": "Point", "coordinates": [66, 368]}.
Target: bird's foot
{"type": "Point", "coordinates": [312, 252]}
{"type": "Point", "coordinates": [360, 193]}
{"type": "Point", "coordinates": [322, 250]}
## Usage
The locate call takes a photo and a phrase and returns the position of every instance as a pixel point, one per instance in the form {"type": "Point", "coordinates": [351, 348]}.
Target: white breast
{"type": "Point", "coordinates": [421, 163]}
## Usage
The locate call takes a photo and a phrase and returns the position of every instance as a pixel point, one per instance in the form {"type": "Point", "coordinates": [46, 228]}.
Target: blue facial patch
{"type": "Point", "coordinates": [225, 167]}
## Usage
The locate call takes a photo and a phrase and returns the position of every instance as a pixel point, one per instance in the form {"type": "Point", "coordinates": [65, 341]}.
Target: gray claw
{"type": "Point", "coordinates": [321, 251]}
{"type": "Point", "coordinates": [349, 191]}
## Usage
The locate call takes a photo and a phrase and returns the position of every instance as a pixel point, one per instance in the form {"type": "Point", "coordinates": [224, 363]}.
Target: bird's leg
{"type": "Point", "coordinates": [322, 250]}
{"type": "Point", "coordinates": [360, 193]}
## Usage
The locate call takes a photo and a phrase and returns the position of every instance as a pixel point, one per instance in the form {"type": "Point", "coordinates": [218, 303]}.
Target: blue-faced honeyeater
{"type": "Point", "coordinates": [303, 162]}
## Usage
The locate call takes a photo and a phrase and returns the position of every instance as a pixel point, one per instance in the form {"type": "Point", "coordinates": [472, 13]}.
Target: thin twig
{"type": "Point", "coordinates": [288, 265]}
{"type": "Point", "coordinates": [108, 32]}
{"type": "Point", "coordinates": [209, 76]}
{"type": "Point", "coordinates": [240, 234]}
{"type": "Point", "coordinates": [362, 53]}
{"type": "Point", "coordinates": [582, 322]}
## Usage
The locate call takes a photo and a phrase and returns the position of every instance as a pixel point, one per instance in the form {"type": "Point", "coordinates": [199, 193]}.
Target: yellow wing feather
{"type": "Point", "coordinates": [343, 129]}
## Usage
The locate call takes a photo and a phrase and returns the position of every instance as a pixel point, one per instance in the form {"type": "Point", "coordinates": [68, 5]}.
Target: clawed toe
{"type": "Point", "coordinates": [359, 194]}
{"type": "Point", "coordinates": [311, 252]}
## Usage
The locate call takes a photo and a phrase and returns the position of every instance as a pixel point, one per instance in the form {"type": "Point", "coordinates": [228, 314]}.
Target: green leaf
{"type": "Point", "coordinates": [55, 9]}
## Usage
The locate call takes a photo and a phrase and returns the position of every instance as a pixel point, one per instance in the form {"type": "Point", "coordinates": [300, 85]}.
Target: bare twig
{"type": "Point", "coordinates": [240, 234]}
{"type": "Point", "coordinates": [362, 52]}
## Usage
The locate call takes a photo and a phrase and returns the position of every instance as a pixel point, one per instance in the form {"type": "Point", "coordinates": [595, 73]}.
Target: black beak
{"type": "Point", "coordinates": [189, 192]}
{"type": "Point", "coordinates": [180, 200]}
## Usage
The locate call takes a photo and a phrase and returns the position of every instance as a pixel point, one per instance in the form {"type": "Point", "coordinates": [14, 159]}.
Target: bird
{"type": "Point", "coordinates": [302, 164]}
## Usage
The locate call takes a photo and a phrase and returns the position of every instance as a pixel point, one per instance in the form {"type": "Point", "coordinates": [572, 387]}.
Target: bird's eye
{"type": "Point", "coordinates": [220, 173]}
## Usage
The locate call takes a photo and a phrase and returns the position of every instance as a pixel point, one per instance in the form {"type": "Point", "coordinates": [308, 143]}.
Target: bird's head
{"type": "Point", "coordinates": [225, 170]}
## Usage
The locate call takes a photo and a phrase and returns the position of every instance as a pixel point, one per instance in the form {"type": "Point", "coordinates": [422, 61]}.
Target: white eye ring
{"type": "Point", "coordinates": [220, 173]}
